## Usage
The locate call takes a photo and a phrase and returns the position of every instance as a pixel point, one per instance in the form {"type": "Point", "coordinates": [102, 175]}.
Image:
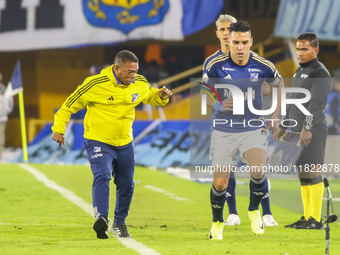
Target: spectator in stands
{"type": "Point", "coordinates": [6, 107]}
{"type": "Point", "coordinates": [152, 71]}
{"type": "Point", "coordinates": [94, 69]}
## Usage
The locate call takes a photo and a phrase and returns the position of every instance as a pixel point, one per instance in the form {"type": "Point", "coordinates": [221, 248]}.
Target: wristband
{"type": "Point", "coordinates": [307, 127]}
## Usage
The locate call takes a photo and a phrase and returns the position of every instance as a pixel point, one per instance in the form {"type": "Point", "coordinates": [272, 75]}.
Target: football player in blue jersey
{"type": "Point", "coordinates": [243, 69]}
{"type": "Point", "coordinates": [222, 33]}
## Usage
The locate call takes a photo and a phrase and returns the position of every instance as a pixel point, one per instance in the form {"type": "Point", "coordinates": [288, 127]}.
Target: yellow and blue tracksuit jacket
{"type": "Point", "coordinates": [110, 107]}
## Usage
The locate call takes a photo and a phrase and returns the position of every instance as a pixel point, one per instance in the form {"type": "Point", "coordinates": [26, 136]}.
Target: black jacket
{"type": "Point", "coordinates": [314, 77]}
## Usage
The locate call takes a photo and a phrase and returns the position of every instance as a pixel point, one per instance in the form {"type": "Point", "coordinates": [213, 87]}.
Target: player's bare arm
{"type": "Point", "coordinates": [265, 88]}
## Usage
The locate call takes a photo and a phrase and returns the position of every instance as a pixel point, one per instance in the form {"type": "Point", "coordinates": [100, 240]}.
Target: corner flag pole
{"type": "Point", "coordinates": [15, 87]}
{"type": "Point", "coordinates": [23, 125]}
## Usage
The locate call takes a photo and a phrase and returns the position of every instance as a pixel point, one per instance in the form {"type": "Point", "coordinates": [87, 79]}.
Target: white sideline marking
{"type": "Point", "coordinates": [172, 195]}
{"type": "Point", "coordinates": [128, 242]}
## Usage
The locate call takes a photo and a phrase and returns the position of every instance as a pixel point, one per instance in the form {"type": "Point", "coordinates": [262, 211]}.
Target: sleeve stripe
{"type": "Point", "coordinates": [309, 120]}
{"type": "Point", "coordinates": [213, 61]}
{"type": "Point", "coordinates": [216, 58]}
{"type": "Point", "coordinates": [258, 57]}
{"type": "Point", "coordinates": [142, 81]}
{"type": "Point", "coordinates": [87, 84]}
{"type": "Point", "coordinates": [208, 58]}
{"type": "Point", "coordinates": [266, 62]}
{"type": "Point", "coordinates": [78, 94]}
{"type": "Point", "coordinates": [216, 61]}
{"type": "Point", "coordinates": [141, 78]}
{"type": "Point", "coordinates": [84, 89]}
{"type": "Point", "coordinates": [138, 79]}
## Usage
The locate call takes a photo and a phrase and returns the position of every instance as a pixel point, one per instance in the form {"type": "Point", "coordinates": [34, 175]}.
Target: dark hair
{"type": "Point", "coordinates": [125, 56]}
{"type": "Point", "coordinates": [239, 26]}
{"type": "Point", "coordinates": [311, 37]}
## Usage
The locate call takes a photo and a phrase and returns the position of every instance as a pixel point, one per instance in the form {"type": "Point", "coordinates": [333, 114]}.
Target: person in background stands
{"type": "Point", "coordinates": [6, 107]}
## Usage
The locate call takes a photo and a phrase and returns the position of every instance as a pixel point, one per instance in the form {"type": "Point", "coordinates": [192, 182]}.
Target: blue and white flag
{"type": "Point", "coordinates": [299, 16]}
{"type": "Point", "coordinates": [64, 24]}
{"type": "Point", "coordinates": [15, 85]}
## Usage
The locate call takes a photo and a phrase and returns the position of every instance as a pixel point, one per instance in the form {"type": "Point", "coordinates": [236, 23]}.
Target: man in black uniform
{"type": "Point", "coordinates": [313, 76]}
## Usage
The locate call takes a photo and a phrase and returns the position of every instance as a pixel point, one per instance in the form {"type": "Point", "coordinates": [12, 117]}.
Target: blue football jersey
{"type": "Point", "coordinates": [221, 69]}
{"type": "Point", "coordinates": [332, 95]}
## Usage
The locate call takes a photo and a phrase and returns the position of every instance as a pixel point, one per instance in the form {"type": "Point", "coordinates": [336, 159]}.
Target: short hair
{"type": "Point", "coordinates": [311, 37]}
{"type": "Point", "coordinates": [240, 26]}
{"type": "Point", "coordinates": [125, 56]}
{"type": "Point", "coordinates": [225, 17]}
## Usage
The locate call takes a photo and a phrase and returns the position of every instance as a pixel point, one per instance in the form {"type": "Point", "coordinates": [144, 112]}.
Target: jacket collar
{"type": "Point", "coordinates": [304, 65]}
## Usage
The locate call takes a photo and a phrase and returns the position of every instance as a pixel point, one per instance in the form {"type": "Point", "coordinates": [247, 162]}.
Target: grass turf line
{"type": "Point", "coordinates": [160, 222]}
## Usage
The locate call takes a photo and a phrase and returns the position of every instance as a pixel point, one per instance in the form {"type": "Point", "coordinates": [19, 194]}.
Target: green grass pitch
{"type": "Point", "coordinates": [35, 219]}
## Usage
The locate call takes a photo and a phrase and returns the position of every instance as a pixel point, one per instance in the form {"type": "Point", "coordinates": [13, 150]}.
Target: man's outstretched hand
{"type": "Point", "coordinates": [59, 138]}
{"type": "Point", "coordinates": [164, 93]}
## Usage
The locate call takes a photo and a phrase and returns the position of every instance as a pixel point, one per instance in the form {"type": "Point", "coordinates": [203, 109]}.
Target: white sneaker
{"type": "Point", "coordinates": [232, 220]}
{"type": "Point", "coordinates": [269, 221]}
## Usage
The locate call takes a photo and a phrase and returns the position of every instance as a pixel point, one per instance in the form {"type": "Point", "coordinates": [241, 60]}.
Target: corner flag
{"type": "Point", "coordinates": [15, 85]}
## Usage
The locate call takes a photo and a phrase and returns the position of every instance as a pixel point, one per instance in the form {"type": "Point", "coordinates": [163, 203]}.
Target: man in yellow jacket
{"type": "Point", "coordinates": [110, 98]}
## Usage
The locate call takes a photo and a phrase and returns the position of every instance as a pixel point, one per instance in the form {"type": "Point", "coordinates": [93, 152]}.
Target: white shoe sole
{"type": "Point", "coordinates": [233, 222]}
{"type": "Point", "coordinates": [269, 222]}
